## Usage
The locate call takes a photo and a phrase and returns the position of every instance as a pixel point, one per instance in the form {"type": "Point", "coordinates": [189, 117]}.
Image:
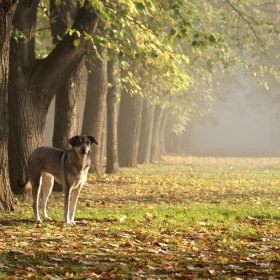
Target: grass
{"type": "Point", "coordinates": [187, 217]}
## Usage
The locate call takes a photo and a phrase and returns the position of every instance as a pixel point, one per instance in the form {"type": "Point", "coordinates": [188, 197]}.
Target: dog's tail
{"type": "Point", "coordinates": [24, 183]}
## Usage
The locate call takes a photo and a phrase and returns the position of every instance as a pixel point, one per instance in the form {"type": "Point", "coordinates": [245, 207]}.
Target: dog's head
{"type": "Point", "coordinates": [82, 143]}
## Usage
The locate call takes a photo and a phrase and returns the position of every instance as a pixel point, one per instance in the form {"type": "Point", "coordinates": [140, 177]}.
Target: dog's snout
{"type": "Point", "coordinates": [84, 150]}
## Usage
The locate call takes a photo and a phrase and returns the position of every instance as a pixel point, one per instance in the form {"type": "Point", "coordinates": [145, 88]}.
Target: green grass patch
{"type": "Point", "coordinates": [186, 217]}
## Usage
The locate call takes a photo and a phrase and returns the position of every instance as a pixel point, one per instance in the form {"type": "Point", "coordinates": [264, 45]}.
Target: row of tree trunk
{"type": "Point", "coordinates": [28, 85]}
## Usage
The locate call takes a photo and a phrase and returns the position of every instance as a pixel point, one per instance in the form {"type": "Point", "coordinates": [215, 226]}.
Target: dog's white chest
{"type": "Point", "coordinates": [78, 178]}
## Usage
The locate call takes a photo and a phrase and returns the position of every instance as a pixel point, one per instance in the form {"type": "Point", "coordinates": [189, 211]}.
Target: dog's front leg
{"type": "Point", "coordinates": [73, 203]}
{"type": "Point", "coordinates": [67, 194]}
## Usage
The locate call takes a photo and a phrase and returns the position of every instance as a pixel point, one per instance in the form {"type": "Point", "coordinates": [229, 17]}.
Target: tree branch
{"type": "Point", "coordinates": [242, 15]}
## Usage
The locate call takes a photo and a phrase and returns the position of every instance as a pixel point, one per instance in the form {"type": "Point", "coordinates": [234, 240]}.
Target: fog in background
{"type": "Point", "coordinates": [247, 124]}
{"type": "Point", "coordinates": [237, 126]}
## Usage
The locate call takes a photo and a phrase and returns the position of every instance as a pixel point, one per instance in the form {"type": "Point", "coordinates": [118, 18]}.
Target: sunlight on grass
{"type": "Point", "coordinates": [186, 215]}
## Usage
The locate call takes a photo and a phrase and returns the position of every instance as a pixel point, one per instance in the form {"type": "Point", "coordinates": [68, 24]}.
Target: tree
{"type": "Point", "coordinates": [129, 124]}
{"type": "Point", "coordinates": [162, 130]}
{"type": "Point", "coordinates": [112, 162]}
{"type": "Point", "coordinates": [67, 110]}
{"type": "Point", "coordinates": [155, 155]}
{"type": "Point", "coordinates": [67, 102]}
{"type": "Point", "coordinates": [146, 134]}
{"type": "Point", "coordinates": [34, 82]}
{"type": "Point", "coordinates": [94, 113]}
{"type": "Point", "coordinates": [7, 10]}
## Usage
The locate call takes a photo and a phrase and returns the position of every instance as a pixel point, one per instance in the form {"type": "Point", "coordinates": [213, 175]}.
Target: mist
{"type": "Point", "coordinates": [245, 124]}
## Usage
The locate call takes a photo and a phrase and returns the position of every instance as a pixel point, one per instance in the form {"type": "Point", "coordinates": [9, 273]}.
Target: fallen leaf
{"type": "Point", "coordinates": [128, 243]}
{"type": "Point", "coordinates": [212, 271]}
{"type": "Point", "coordinates": [47, 270]}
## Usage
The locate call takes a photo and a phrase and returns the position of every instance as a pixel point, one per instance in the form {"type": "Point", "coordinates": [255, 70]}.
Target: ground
{"type": "Point", "coordinates": [183, 218]}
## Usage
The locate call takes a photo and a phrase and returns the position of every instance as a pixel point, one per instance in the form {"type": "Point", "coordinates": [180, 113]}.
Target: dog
{"type": "Point", "coordinates": [67, 167]}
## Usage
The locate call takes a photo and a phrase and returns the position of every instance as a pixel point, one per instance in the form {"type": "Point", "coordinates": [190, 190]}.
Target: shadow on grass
{"type": "Point", "coordinates": [85, 251]}
{"type": "Point", "coordinates": [136, 265]}
{"type": "Point", "coordinates": [16, 222]}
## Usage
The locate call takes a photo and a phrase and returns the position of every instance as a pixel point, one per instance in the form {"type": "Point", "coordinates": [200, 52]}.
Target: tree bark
{"type": "Point", "coordinates": [112, 162]}
{"type": "Point", "coordinates": [145, 143]}
{"type": "Point", "coordinates": [95, 105]}
{"type": "Point", "coordinates": [33, 83]}
{"type": "Point", "coordinates": [7, 10]}
{"type": "Point", "coordinates": [162, 130]}
{"type": "Point", "coordinates": [102, 143]}
{"type": "Point", "coordinates": [67, 102]}
{"type": "Point", "coordinates": [155, 156]}
{"type": "Point", "coordinates": [67, 110]}
{"type": "Point", "coordinates": [129, 125]}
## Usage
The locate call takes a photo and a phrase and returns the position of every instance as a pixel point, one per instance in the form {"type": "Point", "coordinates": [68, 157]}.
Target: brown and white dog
{"type": "Point", "coordinates": [67, 167]}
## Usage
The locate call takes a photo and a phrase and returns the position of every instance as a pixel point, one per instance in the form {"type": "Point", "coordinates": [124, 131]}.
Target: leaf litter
{"type": "Point", "coordinates": [184, 218]}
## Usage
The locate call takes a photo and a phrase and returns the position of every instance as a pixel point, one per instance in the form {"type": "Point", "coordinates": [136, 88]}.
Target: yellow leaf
{"type": "Point", "coordinates": [87, 36]}
{"type": "Point", "coordinates": [76, 42]}
{"type": "Point", "coordinates": [47, 270]}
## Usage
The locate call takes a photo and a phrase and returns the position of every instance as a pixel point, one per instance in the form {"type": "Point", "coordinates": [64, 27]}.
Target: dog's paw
{"type": "Point", "coordinates": [38, 221]}
{"type": "Point", "coordinates": [70, 223]}
{"type": "Point", "coordinates": [47, 219]}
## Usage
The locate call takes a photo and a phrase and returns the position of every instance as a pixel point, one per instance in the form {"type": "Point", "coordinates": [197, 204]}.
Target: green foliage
{"type": "Point", "coordinates": [17, 34]}
{"type": "Point", "coordinates": [182, 50]}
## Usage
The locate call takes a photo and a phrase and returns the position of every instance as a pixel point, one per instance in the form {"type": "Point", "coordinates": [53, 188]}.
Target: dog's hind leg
{"type": "Point", "coordinates": [47, 185]}
{"type": "Point", "coordinates": [36, 182]}
{"type": "Point", "coordinates": [73, 203]}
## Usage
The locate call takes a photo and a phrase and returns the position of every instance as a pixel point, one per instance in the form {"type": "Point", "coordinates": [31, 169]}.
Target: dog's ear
{"type": "Point", "coordinates": [73, 140]}
{"type": "Point", "coordinates": [92, 139]}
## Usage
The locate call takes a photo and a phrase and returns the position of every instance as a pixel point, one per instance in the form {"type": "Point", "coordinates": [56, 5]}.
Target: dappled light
{"type": "Point", "coordinates": [187, 217]}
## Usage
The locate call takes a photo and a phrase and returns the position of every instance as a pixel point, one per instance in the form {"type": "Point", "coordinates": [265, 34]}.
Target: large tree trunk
{"type": "Point", "coordinates": [7, 10]}
{"type": "Point", "coordinates": [33, 83]}
{"type": "Point", "coordinates": [112, 162]}
{"type": "Point", "coordinates": [67, 102]}
{"type": "Point", "coordinates": [129, 125]}
{"type": "Point", "coordinates": [145, 143]}
{"type": "Point", "coordinates": [95, 106]}
{"type": "Point", "coordinates": [67, 110]}
{"type": "Point", "coordinates": [155, 156]}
